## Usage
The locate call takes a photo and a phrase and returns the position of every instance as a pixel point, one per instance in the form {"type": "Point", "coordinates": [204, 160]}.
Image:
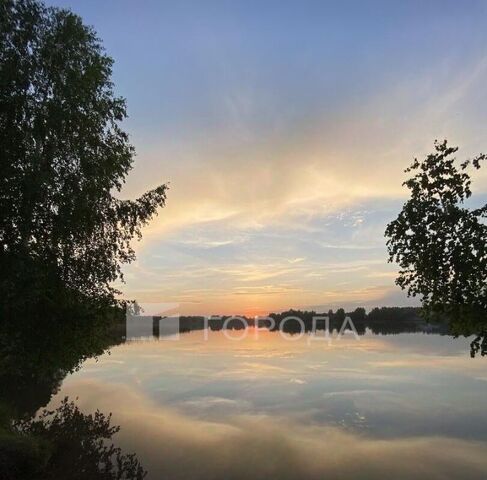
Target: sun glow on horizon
{"type": "Point", "coordinates": [277, 154]}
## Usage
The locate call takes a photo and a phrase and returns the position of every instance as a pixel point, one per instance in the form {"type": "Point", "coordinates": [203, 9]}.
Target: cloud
{"type": "Point", "coordinates": [172, 445]}
{"type": "Point", "coordinates": [324, 163]}
{"type": "Point", "coordinates": [282, 203]}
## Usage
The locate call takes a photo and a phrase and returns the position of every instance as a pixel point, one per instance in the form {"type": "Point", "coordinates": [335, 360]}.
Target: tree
{"type": "Point", "coordinates": [66, 443]}
{"type": "Point", "coordinates": [358, 315]}
{"type": "Point", "coordinates": [340, 315]}
{"type": "Point", "coordinates": [439, 244]}
{"type": "Point", "coordinates": [64, 160]}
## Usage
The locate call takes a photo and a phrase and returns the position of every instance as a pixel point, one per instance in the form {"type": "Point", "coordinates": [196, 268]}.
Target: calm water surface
{"type": "Point", "coordinates": [393, 406]}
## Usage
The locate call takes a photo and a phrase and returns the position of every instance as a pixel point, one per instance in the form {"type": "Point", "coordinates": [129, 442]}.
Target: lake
{"type": "Point", "coordinates": [261, 404]}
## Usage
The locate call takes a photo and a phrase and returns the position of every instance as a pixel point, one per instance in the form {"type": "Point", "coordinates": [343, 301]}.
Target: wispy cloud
{"type": "Point", "coordinates": [239, 446]}
{"type": "Point", "coordinates": [301, 202]}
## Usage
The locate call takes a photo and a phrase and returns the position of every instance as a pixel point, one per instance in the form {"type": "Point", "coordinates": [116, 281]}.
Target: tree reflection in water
{"type": "Point", "coordinates": [70, 444]}
{"type": "Point", "coordinates": [61, 443]}
{"type": "Point", "coordinates": [37, 353]}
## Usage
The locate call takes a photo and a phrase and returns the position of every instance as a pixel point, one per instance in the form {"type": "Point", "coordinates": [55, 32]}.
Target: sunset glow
{"type": "Point", "coordinates": [284, 132]}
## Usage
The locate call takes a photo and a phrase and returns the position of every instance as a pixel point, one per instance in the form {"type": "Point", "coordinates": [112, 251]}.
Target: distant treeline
{"type": "Point", "coordinates": [378, 320]}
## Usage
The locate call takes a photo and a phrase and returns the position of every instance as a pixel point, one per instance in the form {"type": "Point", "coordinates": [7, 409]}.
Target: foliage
{"type": "Point", "coordinates": [65, 443]}
{"type": "Point", "coordinates": [439, 244]}
{"type": "Point", "coordinates": [35, 356]}
{"type": "Point", "coordinates": [64, 158]}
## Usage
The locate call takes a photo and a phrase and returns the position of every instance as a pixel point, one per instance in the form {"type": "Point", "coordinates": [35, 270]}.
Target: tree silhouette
{"type": "Point", "coordinates": [439, 244]}
{"type": "Point", "coordinates": [64, 155]}
{"type": "Point", "coordinates": [66, 443]}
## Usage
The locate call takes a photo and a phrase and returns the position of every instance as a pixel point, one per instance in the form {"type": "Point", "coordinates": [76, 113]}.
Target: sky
{"type": "Point", "coordinates": [284, 128]}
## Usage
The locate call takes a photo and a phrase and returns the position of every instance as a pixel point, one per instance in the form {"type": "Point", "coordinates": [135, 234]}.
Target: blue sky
{"type": "Point", "coordinates": [284, 128]}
